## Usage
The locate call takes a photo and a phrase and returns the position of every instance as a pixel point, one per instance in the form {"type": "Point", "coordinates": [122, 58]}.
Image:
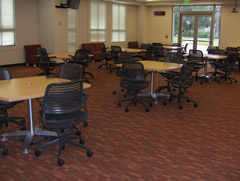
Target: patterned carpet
{"type": "Point", "coordinates": [166, 143]}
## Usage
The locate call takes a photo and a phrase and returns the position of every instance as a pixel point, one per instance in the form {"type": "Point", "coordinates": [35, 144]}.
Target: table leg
{"type": "Point", "coordinates": [153, 94]}
{"type": "Point", "coordinates": [29, 134]}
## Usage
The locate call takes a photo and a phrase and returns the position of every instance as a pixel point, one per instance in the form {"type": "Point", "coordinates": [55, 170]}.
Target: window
{"type": "Point", "coordinates": [72, 30]}
{"type": "Point", "coordinates": [97, 21]}
{"type": "Point", "coordinates": [118, 23]}
{"type": "Point", "coordinates": [7, 23]}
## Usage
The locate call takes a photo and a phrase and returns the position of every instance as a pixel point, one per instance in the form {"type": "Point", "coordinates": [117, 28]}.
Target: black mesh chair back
{"type": "Point", "coordinates": [132, 72]}
{"type": "Point", "coordinates": [149, 54]}
{"type": "Point", "coordinates": [212, 50]}
{"type": "Point", "coordinates": [115, 50]}
{"type": "Point", "coordinates": [70, 71]}
{"type": "Point", "coordinates": [80, 52]}
{"type": "Point", "coordinates": [231, 50]}
{"type": "Point", "coordinates": [173, 57]}
{"type": "Point", "coordinates": [221, 52]}
{"type": "Point", "coordinates": [81, 57]}
{"type": "Point", "coordinates": [158, 50]}
{"type": "Point", "coordinates": [5, 74]}
{"type": "Point", "coordinates": [230, 64]}
{"type": "Point", "coordinates": [195, 56]}
{"type": "Point", "coordinates": [62, 105]}
{"type": "Point", "coordinates": [42, 52]}
{"type": "Point", "coordinates": [144, 46]}
{"type": "Point", "coordinates": [125, 57]}
{"type": "Point", "coordinates": [185, 78]}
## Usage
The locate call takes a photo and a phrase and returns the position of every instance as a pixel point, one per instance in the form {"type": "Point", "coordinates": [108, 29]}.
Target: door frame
{"type": "Point", "coordinates": [196, 14]}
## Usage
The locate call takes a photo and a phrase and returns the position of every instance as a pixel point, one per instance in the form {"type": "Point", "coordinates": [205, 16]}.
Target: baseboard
{"type": "Point", "coordinates": [11, 65]}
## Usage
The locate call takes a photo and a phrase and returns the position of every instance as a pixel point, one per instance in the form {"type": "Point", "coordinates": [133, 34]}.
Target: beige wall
{"type": "Point", "coordinates": [230, 27]}
{"type": "Point", "coordinates": [26, 32]}
{"type": "Point", "coordinates": [159, 27]}
{"type": "Point", "coordinates": [37, 21]}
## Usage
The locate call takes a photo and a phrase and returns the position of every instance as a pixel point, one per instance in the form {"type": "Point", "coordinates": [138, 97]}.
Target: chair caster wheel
{"type": "Point", "coordinates": [85, 124]}
{"type": "Point", "coordinates": [235, 81]}
{"type": "Point", "coordinates": [81, 141]}
{"type": "Point", "coordinates": [89, 153]}
{"type": "Point", "coordinates": [5, 152]}
{"type": "Point", "coordinates": [60, 162]}
{"type": "Point", "coordinates": [37, 153]}
{"type": "Point", "coordinates": [147, 110]}
{"type": "Point", "coordinates": [122, 90]}
{"type": "Point", "coordinates": [126, 110]}
{"type": "Point", "coordinates": [164, 103]}
{"type": "Point", "coordinates": [78, 133]}
{"type": "Point", "coordinates": [195, 105]}
{"type": "Point", "coordinates": [114, 92]}
{"type": "Point", "coordinates": [150, 104]}
{"type": "Point", "coordinates": [119, 105]}
{"type": "Point", "coordinates": [180, 107]}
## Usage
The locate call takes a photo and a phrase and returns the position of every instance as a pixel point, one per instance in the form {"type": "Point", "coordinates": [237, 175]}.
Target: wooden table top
{"type": "Point", "coordinates": [215, 57]}
{"type": "Point", "coordinates": [171, 47]}
{"type": "Point", "coordinates": [61, 55]}
{"type": "Point", "coordinates": [27, 88]}
{"type": "Point", "coordinates": [133, 50]}
{"type": "Point", "coordinates": [64, 55]}
{"type": "Point", "coordinates": [160, 66]}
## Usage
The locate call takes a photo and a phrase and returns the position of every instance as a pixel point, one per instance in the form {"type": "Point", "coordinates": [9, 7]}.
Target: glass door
{"type": "Point", "coordinates": [196, 30]}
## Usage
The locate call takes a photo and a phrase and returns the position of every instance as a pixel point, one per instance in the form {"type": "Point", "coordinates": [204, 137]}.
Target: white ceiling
{"type": "Point", "coordinates": [171, 2]}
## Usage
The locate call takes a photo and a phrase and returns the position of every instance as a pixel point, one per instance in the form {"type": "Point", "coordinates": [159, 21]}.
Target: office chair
{"type": "Point", "coordinates": [81, 57]}
{"type": "Point", "coordinates": [64, 107]}
{"type": "Point", "coordinates": [115, 51]}
{"type": "Point", "coordinates": [231, 50]}
{"type": "Point", "coordinates": [122, 57]}
{"type": "Point", "coordinates": [158, 50]}
{"type": "Point", "coordinates": [72, 71]}
{"type": "Point", "coordinates": [196, 57]}
{"type": "Point", "coordinates": [45, 63]}
{"type": "Point", "coordinates": [227, 66]}
{"type": "Point", "coordinates": [4, 106]}
{"type": "Point", "coordinates": [105, 56]}
{"type": "Point", "coordinates": [238, 52]}
{"type": "Point", "coordinates": [148, 54]}
{"type": "Point", "coordinates": [172, 57]}
{"type": "Point", "coordinates": [181, 82]}
{"type": "Point", "coordinates": [133, 79]}
{"type": "Point", "coordinates": [216, 64]}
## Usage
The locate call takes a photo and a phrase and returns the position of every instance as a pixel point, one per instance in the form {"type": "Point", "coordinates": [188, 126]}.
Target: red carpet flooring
{"type": "Point", "coordinates": [166, 143]}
